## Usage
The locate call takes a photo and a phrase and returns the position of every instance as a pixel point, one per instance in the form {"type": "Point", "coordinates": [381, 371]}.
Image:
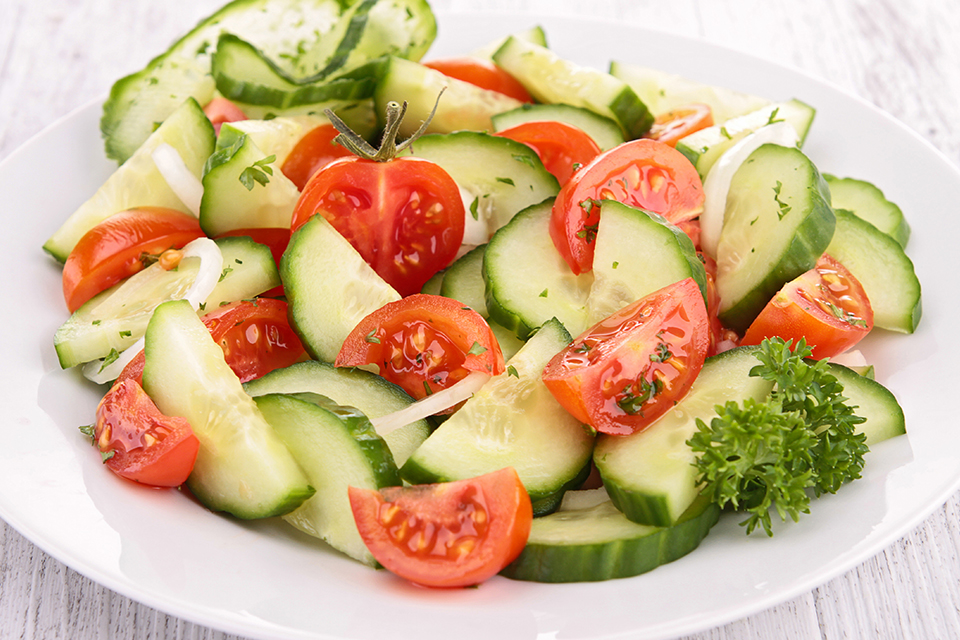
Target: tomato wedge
{"type": "Point", "coordinates": [481, 73]}
{"type": "Point", "coordinates": [629, 369]}
{"type": "Point", "coordinates": [315, 150]}
{"type": "Point", "coordinates": [220, 111]}
{"type": "Point", "coordinates": [642, 173]}
{"type": "Point", "coordinates": [423, 343]}
{"type": "Point", "coordinates": [120, 246]}
{"type": "Point", "coordinates": [673, 125]}
{"type": "Point", "coordinates": [563, 148]}
{"type": "Point", "coordinates": [454, 534]}
{"type": "Point", "coordinates": [826, 305]}
{"type": "Point", "coordinates": [141, 444]}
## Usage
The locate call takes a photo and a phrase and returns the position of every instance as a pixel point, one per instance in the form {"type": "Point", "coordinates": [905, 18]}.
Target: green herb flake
{"type": "Point", "coordinates": [475, 208]}
{"type": "Point", "coordinates": [372, 337]}
{"type": "Point", "coordinates": [512, 371]}
{"type": "Point", "coordinates": [258, 173]}
{"type": "Point", "coordinates": [508, 181]}
{"type": "Point", "coordinates": [784, 207]}
{"type": "Point", "coordinates": [477, 349]}
{"type": "Point", "coordinates": [126, 333]}
{"type": "Point", "coordinates": [543, 294]}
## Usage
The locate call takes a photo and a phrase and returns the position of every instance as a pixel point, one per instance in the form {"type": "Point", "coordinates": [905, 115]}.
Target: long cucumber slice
{"type": "Point", "coordinates": [866, 201]}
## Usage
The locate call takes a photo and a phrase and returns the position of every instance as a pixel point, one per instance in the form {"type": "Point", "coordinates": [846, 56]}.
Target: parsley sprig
{"type": "Point", "coordinates": [768, 455]}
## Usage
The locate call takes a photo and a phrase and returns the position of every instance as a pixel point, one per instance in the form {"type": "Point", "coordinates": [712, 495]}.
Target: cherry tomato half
{"type": "Point", "coordinates": [629, 369]}
{"type": "Point", "coordinates": [671, 126]}
{"type": "Point", "coordinates": [314, 151]}
{"type": "Point", "coordinates": [143, 444]}
{"type": "Point", "coordinates": [641, 173]}
{"type": "Point", "coordinates": [220, 111]}
{"type": "Point", "coordinates": [454, 534]}
{"type": "Point", "coordinates": [826, 305]}
{"type": "Point", "coordinates": [116, 248]}
{"type": "Point", "coordinates": [481, 73]}
{"type": "Point", "coordinates": [563, 148]}
{"type": "Point", "coordinates": [423, 343]}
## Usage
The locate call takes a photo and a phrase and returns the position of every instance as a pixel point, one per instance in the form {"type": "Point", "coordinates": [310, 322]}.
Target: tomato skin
{"type": "Point", "coordinates": [147, 446]}
{"type": "Point", "coordinates": [315, 150]}
{"type": "Point", "coordinates": [641, 173]}
{"type": "Point", "coordinates": [220, 111]}
{"type": "Point", "coordinates": [673, 125]}
{"type": "Point", "coordinates": [481, 73]}
{"type": "Point", "coordinates": [802, 309]}
{"type": "Point", "coordinates": [112, 250]}
{"type": "Point", "coordinates": [454, 534]}
{"type": "Point", "coordinates": [423, 342]}
{"type": "Point", "coordinates": [562, 147]}
{"type": "Point", "coordinates": [626, 371]}
{"type": "Point", "coordinates": [404, 216]}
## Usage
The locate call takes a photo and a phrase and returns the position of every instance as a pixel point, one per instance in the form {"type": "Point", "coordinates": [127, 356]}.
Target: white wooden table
{"type": "Point", "coordinates": [902, 56]}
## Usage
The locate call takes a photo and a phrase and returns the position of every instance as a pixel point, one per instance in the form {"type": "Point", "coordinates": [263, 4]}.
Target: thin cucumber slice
{"type": "Point", "coordinates": [512, 421]}
{"type": "Point", "coordinates": [534, 34]}
{"type": "Point", "coordinates": [650, 475]}
{"type": "Point", "coordinates": [278, 136]}
{"type": "Point", "coordinates": [552, 79]}
{"type": "Point", "coordinates": [592, 542]}
{"type": "Point", "coordinates": [337, 448]}
{"type": "Point", "coordinates": [463, 281]}
{"type": "Point", "coordinates": [138, 182]}
{"type": "Point", "coordinates": [366, 391]}
{"type": "Point", "coordinates": [329, 287]}
{"type": "Point", "coordinates": [242, 467]}
{"type": "Point", "coordinates": [248, 271]}
{"type": "Point", "coordinates": [866, 201]}
{"type": "Point", "coordinates": [873, 401]}
{"type": "Point", "coordinates": [777, 224]}
{"type": "Point", "coordinates": [604, 131]}
{"type": "Point", "coordinates": [886, 273]}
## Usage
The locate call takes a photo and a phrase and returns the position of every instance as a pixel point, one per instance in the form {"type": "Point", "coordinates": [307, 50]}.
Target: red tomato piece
{"type": "Point", "coordinates": [673, 125]}
{"type": "Point", "coordinates": [721, 338]}
{"type": "Point", "coordinates": [116, 249]}
{"type": "Point", "coordinates": [629, 369]}
{"type": "Point", "coordinates": [314, 151]}
{"type": "Point", "coordinates": [454, 534]}
{"type": "Point", "coordinates": [562, 148]}
{"type": "Point", "coordinates": [423, 343]}
{"type": "Point", "coordinates": [481, 73]}
{"type": "Point", "coordinates": [826, 305]}
{"type": "Point", "coordinates": [143, 444]}
{"type": "Point", "coordinates": [404, 216]}
{"type": "Point", "coordinates": [641, 173]}
{"type": "Point", "coordinates": [221, 110]}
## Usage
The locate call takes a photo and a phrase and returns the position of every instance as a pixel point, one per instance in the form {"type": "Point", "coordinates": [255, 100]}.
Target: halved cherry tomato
{"type": "Point", "coordinates": [826, 305]}
{"type": "Point", "coordinates": [275, 238]}
{"type": "Point", "coordinates": [721, 338]}
{"type": "Point", "coordinates": [669, 127]}
{"type": "Point", "coordinates": [221, 110]}
{"type": "Point", "coordinates": [481, 73]}
{"type": "Point", "coordinates": [314, 151]}
{"type": "Point", "coordinates": [642, 173]}
{"type": "Point", "coordinates": [454, 534]}
{"type": "Point", "coordinates": [423, 343]}
{"type": "Point", "coordinates": [563, 148]}
{"type": "Point", "coordinates": [143, 444]}
{"type": "Point", "coordinates": [117, 248]}
{"type": "Point", "coordinates": [404, 216]}
{"type": "Point", "coordinates": [629, 369]}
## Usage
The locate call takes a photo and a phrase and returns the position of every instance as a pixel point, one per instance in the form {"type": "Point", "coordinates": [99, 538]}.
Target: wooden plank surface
{"type": "Point", "coordinates": [904, 57]}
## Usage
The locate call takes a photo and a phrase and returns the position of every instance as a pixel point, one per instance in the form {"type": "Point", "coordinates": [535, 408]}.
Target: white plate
{"type": "Point", "coordinates": [263, 579]}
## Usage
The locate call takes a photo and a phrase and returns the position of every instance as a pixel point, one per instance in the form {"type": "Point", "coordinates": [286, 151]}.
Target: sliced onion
{"type": "Point", "coordinates": [432, 404]}
{"type": "Point", "coordinates": [853, 358]}
{"type": "Point", "coordinates": [717, 183]}
{"type": "Point", "coordinates": [208, 275]}
{"type": "Point", "coordinates": [180, 179]}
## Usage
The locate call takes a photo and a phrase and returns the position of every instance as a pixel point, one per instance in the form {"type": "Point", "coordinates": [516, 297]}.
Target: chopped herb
{"type": "Point", "coordinates": [847, 316]}
{"type": "Point", "coordinates": [773, 116]}
{"type": "Point", "coordinates": [474, 208]}
{"type": "Point", "coordinates": [126, 333]}
{"type": "Point", "coordinates": [110, 359]}
{"type": "Point", "coordinates": [784, 207]}
{"type": "Point", "coordinates": [477, 349]}
{"type": "Point", "coordinates": [508, 181]}
{"type": "Point", "coordinates": [96, 322]}
{"type": "Point", "coordinates": [512, 371]}
{"type": "Point", "coordinates": [258, 172]}
{"type": "Point", "coordinates": [90, 431]}
{"type": "Point", "coordinates": [223, 274]}
{"type": "Point", "coordinates": [543, 294]}
{"type": "Point", "coordinates": [661, 353]}
{"type": "Point", "coordinates": [725, 133]}
{"type": "Point", "coordinates": [615, 264]}
{"type": "Point", "coordinates": [426, 387]}
{"type": "Point", "coordinates": [371, 337]}
{"type": "Point", "coordinates": [106, 455]}
{"type": "Point", "coordinates": [525, 159]}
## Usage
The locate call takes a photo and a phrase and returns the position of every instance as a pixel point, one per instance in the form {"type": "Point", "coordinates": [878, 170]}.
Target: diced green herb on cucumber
{"type": "Point", "coordinates": [248, 271]}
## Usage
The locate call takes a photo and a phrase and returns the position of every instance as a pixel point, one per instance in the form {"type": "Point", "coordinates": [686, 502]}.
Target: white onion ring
{"type": "Point", "coordinates": [179, 178]}
{"type": "Point", "coordinates": [432, 404]}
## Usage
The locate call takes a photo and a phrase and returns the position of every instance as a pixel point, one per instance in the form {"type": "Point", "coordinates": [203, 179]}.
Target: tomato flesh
{"type": "Point", "coordinates": [673, 125]}
{"type": "Point", "coordinates": [481, 73]}
{"type": "Point", "coordinates": [646, 174]}
{"type": "Point", "coordinates": [314, 151]}
{"type": "Point", "coordinates": [454, 534]}
{"type": "Point", "coordinates": [562, 148]}
{"type": "Point", "coordinates": [143, 444]}
{"type": "Point", "coordinates": [826, 305]}
{"type": "Point", "coordinates": [423, 343]}
{"type": "Point", "coordinates": [220, 111]}
{"type": "Point", "coordinates": [630, 368]}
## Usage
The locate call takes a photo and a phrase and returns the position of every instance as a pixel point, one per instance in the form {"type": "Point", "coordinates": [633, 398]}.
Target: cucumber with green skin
{"type": "Point", "coordinates": [876, 403]}
{"type": "Point", "coordinates": [867, 201]}
{"type": "Point", "coordinates": [604, 131]}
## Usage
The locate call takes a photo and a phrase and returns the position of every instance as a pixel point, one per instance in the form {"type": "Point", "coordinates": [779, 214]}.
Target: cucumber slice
{"type": "Point", "coordinates": [138, 182]}
{"type": "Point", "coordinates": [366, 391]}
{"type": "Point", "coordinates": [329, 287]}
{"type": "Point", "coordinates": [777, 224]}
{"type": "Point", "coordinates": [462, 106]}
{"type": "Point", "coordinates": [512, 421]}
{"type": "Point", "coordinates": [500, 176]}
{"type": "Point", "coordinates": [604, 131]}
{"type": "Point", "coordinates": [592, 542]}
{"type": "Point", "coordinates": [248, 271]}
{"type": "Point", "coordinates": [866, 201]}
{"type": "Point", "coordinates": [463, 281]}
{"type": "Point", "coordinates": [874, 402]}
{"type": "Point", "coordinates": [278, 136]}
{"type": "Point", "coordinates": [527, 280]}
{"type": "Point", "coordinates": [637, 253]}
{"type": "Point", "coordinates": [886, 273]}
{"type": "Point", "coordinates": [650, 475]}
{"type": "Point", "coordinates": [534, 34]}
{"type": "Point", "coordinates": [703, 148]}
{"type": "Point", "coordinates": [337, 448]}
{"type": "Point", "coordinates": [551, 79]}
{"type": "Point", "coordinates": [242, 467]}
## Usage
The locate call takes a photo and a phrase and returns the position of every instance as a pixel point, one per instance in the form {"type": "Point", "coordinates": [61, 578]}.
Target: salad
{"type": "Point", "coordinates": [455, 369]}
